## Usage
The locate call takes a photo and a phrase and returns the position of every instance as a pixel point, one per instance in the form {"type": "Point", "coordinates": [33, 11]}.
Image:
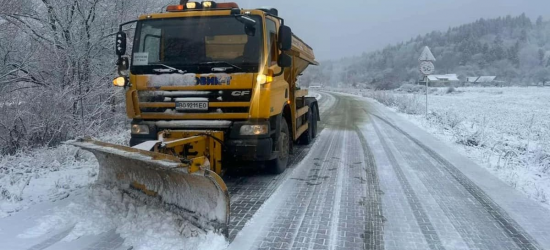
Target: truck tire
{"type": "Point", "coordinates": [278, 166]}
{"type": "Point", "coordinates": [307, 137]}
{"type": "Point", "coordinates": [314, 122]}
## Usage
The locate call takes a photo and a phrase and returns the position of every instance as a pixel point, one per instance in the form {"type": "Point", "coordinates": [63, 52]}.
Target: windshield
{"type": "Point", "coordinates": [197, 45]}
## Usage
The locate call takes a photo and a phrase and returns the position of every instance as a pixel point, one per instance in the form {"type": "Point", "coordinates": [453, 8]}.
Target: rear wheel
{"type": "Point", "coordinates": [278, 166]}
{"type": "Point", "coordinates": [314, 122]}
{"type": "Point", "coordinates": [306, 137]}
{"type": "Point", "coordinates": [311, 133]}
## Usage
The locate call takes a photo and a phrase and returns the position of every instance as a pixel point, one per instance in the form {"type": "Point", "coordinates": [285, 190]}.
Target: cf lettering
{"type": "Point", "coordinates": [240, 93]}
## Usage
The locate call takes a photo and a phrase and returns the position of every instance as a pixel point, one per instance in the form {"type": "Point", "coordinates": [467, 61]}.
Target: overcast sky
{"type": "Point", "coordinates": [339, 28]}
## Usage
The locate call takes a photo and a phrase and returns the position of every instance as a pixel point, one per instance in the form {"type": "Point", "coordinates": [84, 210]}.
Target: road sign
{"type": "Point", "coordinates": [427, 68]}
{"type": "Point", "coordinates": [427, 55]}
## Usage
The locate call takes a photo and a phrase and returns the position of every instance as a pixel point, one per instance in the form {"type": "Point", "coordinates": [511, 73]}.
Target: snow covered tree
{"type": "Point", "coordinates": [540, 21]}
{"type": "Point", "coordinates": [58, 56]}
{"type": "Point", "coordinates": [542, 76]}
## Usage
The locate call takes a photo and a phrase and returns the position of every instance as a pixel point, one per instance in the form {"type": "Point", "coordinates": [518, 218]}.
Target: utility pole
{"type": "Point", "coordinates": [427, 68]}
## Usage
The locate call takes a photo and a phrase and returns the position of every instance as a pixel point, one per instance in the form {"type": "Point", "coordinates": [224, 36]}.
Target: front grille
{"type": "Point", "coordinates": [220, 102]}
{"type": "Point", "coordinates": [210, 110]}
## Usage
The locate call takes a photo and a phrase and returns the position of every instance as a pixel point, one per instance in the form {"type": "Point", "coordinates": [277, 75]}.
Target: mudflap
{"type": "Point", "coordinates": [200, 197]}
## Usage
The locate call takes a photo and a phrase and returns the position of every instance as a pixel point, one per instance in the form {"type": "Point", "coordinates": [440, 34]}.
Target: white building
{"type": "Point", "coordinates": [486, 79]}
{"type": "Point", "coordinates": [443, 78]}
{"type": "Point", "coordinates": [481, 79]}
{"type": "Point", "coordinates": [472, 79]}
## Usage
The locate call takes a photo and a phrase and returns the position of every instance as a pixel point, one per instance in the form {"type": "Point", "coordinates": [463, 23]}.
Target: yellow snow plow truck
{"type": "Point", "coordinates": [208, 85]}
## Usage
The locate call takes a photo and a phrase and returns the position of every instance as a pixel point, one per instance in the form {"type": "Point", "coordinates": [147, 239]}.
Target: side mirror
{"type": "Point", "coordinates": [285, 38]}
{"type": "Point", "coordinates": [123, 65]}
{"type": "Point", "coordinates": [120, 43]}
{"type": "Point", "coordinates": [285, 61]}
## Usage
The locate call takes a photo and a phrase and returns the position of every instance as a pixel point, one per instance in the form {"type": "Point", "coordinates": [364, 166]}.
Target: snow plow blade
{"type": "Point", "coordinates": [188, 189]}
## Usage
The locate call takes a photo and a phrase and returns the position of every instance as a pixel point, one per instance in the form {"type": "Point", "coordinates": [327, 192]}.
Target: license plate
{"type": "Point", "coordinates": [185, 106]}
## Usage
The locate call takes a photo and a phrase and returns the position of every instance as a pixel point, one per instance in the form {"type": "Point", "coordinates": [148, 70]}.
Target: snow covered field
{"type": "Point", "coordinates": [506, 130]}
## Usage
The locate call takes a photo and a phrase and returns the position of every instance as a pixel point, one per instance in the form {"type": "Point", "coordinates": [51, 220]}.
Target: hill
{"type": "Point", "coordinates": [515, 49]}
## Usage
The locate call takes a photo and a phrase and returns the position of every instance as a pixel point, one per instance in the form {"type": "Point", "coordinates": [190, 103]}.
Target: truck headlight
{"type": "Point", "coordinates": [120, 82]}
{"type": "Point", "coordinates": [254, 129]}
{"type": "Point", "coordinates": [140, 129]}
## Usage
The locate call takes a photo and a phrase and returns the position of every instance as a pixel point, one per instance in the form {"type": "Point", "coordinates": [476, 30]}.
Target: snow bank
{"type": "Point", "coordinates": [506, 130]}
{"type": "Point", "coordinates": [142, 226]}
{"type": "Point", "coordinates": [43, 175]}
{"type": "Point", "coordinates": [48, 174]}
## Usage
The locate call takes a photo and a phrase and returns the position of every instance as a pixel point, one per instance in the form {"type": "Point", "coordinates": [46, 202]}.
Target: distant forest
{"type": "Point", "coordinates": [515, 49]}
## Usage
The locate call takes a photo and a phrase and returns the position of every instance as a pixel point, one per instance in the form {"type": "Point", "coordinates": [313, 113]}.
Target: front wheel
{"type": "Point", "coordinates": [278, 166]}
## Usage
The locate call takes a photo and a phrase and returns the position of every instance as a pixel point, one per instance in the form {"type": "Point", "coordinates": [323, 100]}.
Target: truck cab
{"type": "Point", "coordinates": [215, 67]}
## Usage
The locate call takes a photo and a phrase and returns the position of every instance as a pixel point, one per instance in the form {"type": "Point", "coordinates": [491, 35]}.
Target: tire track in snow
{"type": "Point", "coordinates": [257, 229]}
{"type": "Point", "coordinates": [313, 207]}
{"type": "Point", "coordinates": [419, 212]}
{"type": "Point", "coordinates": [448, 206]}
{"type": "Point", "coordinates": [459, 219]}
{"type": "Point", "coordinates": [509, 226]}
{"type": "Point", "coordinates": [333, 240]}
{"type": "Point", "coordinates": [110, 241]}
{"type": "Point", "coordinates": [329, 108]}
{"type": "Point", "coordinates": [250, 192]}
{"type": "Point", "coordinates": [52, 240]}
{"type": "Point", "coordinates": [241, 241]}
{"type": "Point", "coordinates": [374, 234]}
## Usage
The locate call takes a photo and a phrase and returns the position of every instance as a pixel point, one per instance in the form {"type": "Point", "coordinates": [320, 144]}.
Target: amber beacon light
{"type": "Point", "coordinates": [205, 5]}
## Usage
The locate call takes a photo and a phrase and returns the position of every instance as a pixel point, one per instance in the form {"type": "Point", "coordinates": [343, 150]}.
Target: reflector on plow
{"type": "Point", "coordinates": [188, 188]}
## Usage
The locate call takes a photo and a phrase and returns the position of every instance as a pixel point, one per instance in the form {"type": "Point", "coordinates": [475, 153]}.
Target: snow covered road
{"type": "Point", "coordinates": [374, 181]}
{"type": "Point", "coordinates": [371, 180]}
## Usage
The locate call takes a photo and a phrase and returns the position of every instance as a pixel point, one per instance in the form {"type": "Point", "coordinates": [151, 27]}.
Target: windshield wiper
{"type": "Point", "coordinates": [231, 66]}
{"type": "Point", "coordinates": [167, 69]}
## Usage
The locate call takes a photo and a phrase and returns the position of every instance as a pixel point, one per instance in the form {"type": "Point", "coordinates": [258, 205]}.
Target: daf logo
{"type": "Point", "coordinates": [240, 93]}
{"type": "Point", "coordinates": [213, 81]}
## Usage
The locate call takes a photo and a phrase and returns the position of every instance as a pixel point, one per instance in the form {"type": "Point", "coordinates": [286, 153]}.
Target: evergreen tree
{"type": "Point", "coordinates": [513, 54]}
{"type": "Point", "coordinates": [523, 36]}
{"type": "Point", "coordinates": [540, 21]}
{"type": "Point", "coordinates": [541, 57]}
